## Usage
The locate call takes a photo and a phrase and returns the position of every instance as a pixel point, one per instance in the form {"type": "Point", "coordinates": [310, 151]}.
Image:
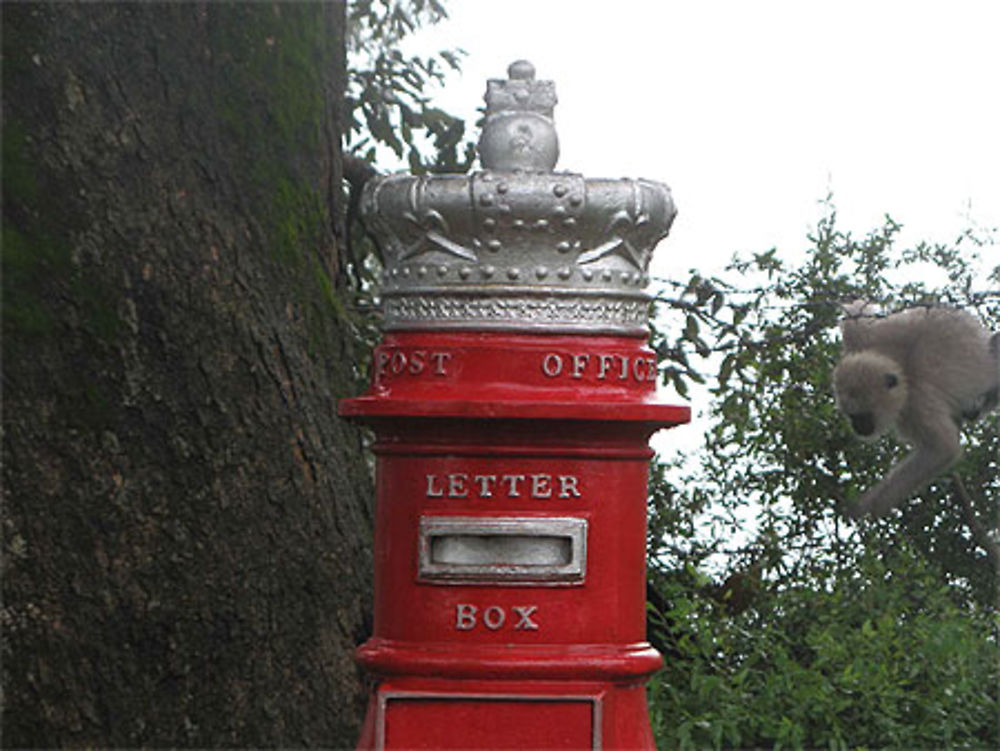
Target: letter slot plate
{"type": "Point", "coordinates": [491, 550]}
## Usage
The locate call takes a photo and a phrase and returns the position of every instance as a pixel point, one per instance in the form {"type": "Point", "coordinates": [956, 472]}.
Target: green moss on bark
{"type": "Point", "coordinates": [191, 517]}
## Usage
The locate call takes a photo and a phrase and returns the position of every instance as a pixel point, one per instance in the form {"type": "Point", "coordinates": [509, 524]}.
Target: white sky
{"type": "Point", "coordinates": [752, 111]}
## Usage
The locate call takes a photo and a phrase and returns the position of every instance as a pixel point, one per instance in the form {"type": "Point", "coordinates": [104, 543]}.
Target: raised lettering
{"type": "Point", "coordinates": [494, 617]}
{"type": "Point", "coordinates": [512, 483]}
{"type": "Point", "coordinates": [417, 362]}
{"type": "Point", "coordinates": [457, 487]}
{"type": "Point", "coordinates": [552, 365]}
{"type": "Point", "coordinates": [604, 362]}
{"type": "Point", "coordinates": [637, 365]}
{"type": "Point", "coordinates": [568, 486]}
{"type": "Point", "coordinates": [607, 366]}
{"type": "Point", "coordinates": [486, 483]}
{"type": "Point", "coordinates": [398, 362]}
{"type": "Point", "coordinates": [440, 359]}
{"type": "Point", "coordinates": [433, 489]}
{"type": "Point", "coordinates": [382, 364]}
{"type": "Point", "coordinates": [535, 485]}
{"type": "Point", "coordinates": [524, 613]}
{"type": "Point", "coordinates": [465, 616]}
{"type": "Point", "coordinates": [540, 487]}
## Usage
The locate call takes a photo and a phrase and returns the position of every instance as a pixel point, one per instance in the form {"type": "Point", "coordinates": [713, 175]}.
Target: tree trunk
{"type": "Point", "coordinates": [186, 522]}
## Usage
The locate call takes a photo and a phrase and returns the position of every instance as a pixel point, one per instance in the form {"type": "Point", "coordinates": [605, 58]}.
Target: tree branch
{"type": "Point", "coordinates": [979, 533]}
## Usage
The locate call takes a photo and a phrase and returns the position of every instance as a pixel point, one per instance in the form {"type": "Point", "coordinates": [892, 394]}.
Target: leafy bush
{"type": "Point", "coordinates": [811, 631]}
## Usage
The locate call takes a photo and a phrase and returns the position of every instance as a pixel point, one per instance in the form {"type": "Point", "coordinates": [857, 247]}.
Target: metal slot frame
{"type": "Point", "coordinates": [571, 573]}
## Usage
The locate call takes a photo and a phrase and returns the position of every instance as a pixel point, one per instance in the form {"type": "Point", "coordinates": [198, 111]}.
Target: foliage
{"type": "Point", "coordinates": [810, 630]}
{"type": "Point", "coordinates": [880, 656]}
{"type": "Point", "coordinates": [390, 118]}
{"type": "Point", "coordinates": [387, 99]}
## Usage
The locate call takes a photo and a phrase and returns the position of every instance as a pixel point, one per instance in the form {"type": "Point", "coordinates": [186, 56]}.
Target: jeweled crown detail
{"type": "Point", "coordinates": [517, 246]}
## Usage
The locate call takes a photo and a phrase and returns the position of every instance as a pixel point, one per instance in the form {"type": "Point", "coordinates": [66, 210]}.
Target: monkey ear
{"type": "Point", "coordinates": [891, 380]}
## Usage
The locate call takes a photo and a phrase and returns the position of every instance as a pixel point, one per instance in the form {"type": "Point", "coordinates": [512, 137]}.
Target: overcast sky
{"type": "Point", "coordinates": [753, 111]}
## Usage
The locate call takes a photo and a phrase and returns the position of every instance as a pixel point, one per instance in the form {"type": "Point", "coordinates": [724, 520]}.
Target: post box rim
{"type": "Point", "coordinates": [638, 412]}
{"type": "Point", "coordinates": [617, 662]}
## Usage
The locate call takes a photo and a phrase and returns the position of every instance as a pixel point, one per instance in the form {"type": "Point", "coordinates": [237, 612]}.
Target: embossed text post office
{"type": "Point", "coordinates": [512, 399]}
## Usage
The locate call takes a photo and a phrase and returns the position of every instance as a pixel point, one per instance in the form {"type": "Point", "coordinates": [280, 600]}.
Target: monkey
{"type": "Point", "coordinates": [922, 372]}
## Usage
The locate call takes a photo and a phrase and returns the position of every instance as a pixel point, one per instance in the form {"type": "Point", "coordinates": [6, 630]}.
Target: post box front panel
{"type": "Point", "coordinates": [497, 722]}
{"type": "Point", "coordinates": [510, 549]}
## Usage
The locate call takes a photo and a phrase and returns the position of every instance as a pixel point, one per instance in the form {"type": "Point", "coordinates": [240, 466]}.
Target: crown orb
{"type": "Point", "coordinates": [519, 140]}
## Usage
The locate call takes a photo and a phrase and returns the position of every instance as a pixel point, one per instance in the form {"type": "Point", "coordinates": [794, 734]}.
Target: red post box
{"type": "Point", "coordinates": [512, 400]}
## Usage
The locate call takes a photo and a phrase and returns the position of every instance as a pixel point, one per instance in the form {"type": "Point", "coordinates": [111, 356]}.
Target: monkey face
{"type": "Point", "coordinates": [871, 390]}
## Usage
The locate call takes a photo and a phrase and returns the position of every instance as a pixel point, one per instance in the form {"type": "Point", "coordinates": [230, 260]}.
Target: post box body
{"type": "Point", "coordinates": [510, 537]}
{"type": "Point", "coordinates": [512, 400]}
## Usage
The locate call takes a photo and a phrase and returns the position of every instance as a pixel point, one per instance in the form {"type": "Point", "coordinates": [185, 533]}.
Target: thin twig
{"type": "Point", "coordinates": [979, 533]}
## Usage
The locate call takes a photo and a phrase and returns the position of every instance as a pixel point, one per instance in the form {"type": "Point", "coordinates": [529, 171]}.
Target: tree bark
{"type": "Point", "coordinates": [186, 522]}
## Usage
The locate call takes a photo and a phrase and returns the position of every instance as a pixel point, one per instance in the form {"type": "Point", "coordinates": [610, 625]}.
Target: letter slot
{"type": "Point", "coordinates": [477, 550]}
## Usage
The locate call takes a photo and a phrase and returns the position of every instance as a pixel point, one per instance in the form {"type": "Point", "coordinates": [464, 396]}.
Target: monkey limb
{"type": "Point", "coordinates": [938, 449]}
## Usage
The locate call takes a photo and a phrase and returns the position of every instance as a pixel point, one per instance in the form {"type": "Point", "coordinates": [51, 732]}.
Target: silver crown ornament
{"type": "Point", "coordinates": [517, 246]}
